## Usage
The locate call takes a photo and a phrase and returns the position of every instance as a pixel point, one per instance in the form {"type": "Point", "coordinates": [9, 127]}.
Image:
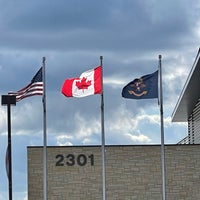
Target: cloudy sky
{"type": "Point", "coordinates": [72, 35]}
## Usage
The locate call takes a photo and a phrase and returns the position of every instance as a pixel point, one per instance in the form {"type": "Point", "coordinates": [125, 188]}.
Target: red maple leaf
{"type": "Point", "coordinates": [83, 84]}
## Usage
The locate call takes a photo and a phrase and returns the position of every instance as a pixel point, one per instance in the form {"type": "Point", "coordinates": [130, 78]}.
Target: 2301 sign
{"type": "Point", "coordinates": [71, 160]}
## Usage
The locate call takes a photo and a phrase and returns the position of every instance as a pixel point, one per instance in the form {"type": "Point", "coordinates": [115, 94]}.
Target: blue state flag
{"type": "Point", "coordinates": [145, 87]}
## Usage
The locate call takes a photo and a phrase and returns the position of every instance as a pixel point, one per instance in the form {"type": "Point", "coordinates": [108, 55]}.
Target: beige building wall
{"type": "Point", "coordinates": [132, 172]}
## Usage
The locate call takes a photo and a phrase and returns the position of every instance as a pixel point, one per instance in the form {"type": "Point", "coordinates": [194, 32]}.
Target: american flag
{"type": "Point", "coordinates": [35, 87]}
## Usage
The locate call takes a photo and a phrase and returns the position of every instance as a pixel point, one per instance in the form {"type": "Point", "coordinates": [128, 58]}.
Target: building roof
{"type": "Point", "coordinates": [189, 95]}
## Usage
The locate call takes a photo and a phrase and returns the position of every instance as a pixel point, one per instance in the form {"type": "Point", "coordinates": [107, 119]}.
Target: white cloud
{"type": "Point", "coordinates": [3, 119]}
{"type": "Point", "coordinates": [86, 126]}
{"type": "Point", "coordinates": [114, 82]}
{"type": "Point", "coordinates": [138, 138]}
{"type": "Point", "coordinates": [64, 140]}
{"type": "Point", "coordinates": [27, 118]}
{"type": "Point", "coordinates": [148, 118]}
{"type": "Point", "coordinates": [126, 126]}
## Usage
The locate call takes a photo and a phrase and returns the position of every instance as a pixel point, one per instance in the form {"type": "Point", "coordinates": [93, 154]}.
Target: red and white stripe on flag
{"type": "Point", "coordinates": [89, 83]}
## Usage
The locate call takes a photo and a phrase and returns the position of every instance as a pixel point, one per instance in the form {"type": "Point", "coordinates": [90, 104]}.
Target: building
{"type": "Point", "coordinates": [188, 106]}
{"type": "Point", "coordinates": [133, 172]}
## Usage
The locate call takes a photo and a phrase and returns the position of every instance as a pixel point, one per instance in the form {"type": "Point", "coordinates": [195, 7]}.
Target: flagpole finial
{"type": "Point", "coordinates": [160, 56]}
{"type": "Point", "coordinates": [101, 60]}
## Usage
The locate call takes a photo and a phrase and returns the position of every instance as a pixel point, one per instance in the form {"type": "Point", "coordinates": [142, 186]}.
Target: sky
{"type": "Point", "coordinates": [72, 35]}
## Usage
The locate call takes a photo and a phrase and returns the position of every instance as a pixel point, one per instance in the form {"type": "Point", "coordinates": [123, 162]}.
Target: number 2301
{"type": "Point", "coordinates": [71, 159]}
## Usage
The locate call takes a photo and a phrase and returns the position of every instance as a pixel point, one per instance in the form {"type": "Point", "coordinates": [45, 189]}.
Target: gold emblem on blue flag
{"type": "Point", "coordinates": [139, 88]}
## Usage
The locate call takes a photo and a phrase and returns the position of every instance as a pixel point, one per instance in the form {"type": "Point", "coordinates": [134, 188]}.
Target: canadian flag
{"type": "Point", "coordinates": [89, 83]}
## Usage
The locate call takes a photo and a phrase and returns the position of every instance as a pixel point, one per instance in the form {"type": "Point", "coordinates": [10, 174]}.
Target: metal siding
{"type": "Point", "coordinates": [194, 125]}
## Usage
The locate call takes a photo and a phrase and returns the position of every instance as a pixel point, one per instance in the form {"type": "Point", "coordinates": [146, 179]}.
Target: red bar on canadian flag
{"type": "Point", "coordinates": [89, 83]}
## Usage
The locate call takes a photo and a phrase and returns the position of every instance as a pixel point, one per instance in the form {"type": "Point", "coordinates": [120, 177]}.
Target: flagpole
{"type": "Point", "coordinates": [103, 137]}
{"type": "Point", "coordinates": [9, 152]}
{"type": "Point", "coordinates": [44, 133]}
{"type": "Point", "coordinates": [162, 131]}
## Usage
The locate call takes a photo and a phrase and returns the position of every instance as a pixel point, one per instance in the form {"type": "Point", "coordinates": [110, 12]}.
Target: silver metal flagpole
{"type": "Point", "coordinates": [103, 137]}
{"type": "Point", "coordinates": [44, 133]}
{"type": "Point", "coordinates": [162, 131]}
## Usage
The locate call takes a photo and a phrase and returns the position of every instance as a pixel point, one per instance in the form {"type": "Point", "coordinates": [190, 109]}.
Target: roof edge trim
{"type": "Point", "coordinates": [185, 85]}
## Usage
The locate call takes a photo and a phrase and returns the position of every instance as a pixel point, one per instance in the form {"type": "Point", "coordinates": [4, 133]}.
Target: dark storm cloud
{"type": "Point", "coordinates": [56, 15]}
{"type": "Point", "coordinates": [90, 25]}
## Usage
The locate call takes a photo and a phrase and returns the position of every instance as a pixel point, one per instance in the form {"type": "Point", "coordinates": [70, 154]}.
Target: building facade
{"type": "Point", "coordinates": [132, 172]}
